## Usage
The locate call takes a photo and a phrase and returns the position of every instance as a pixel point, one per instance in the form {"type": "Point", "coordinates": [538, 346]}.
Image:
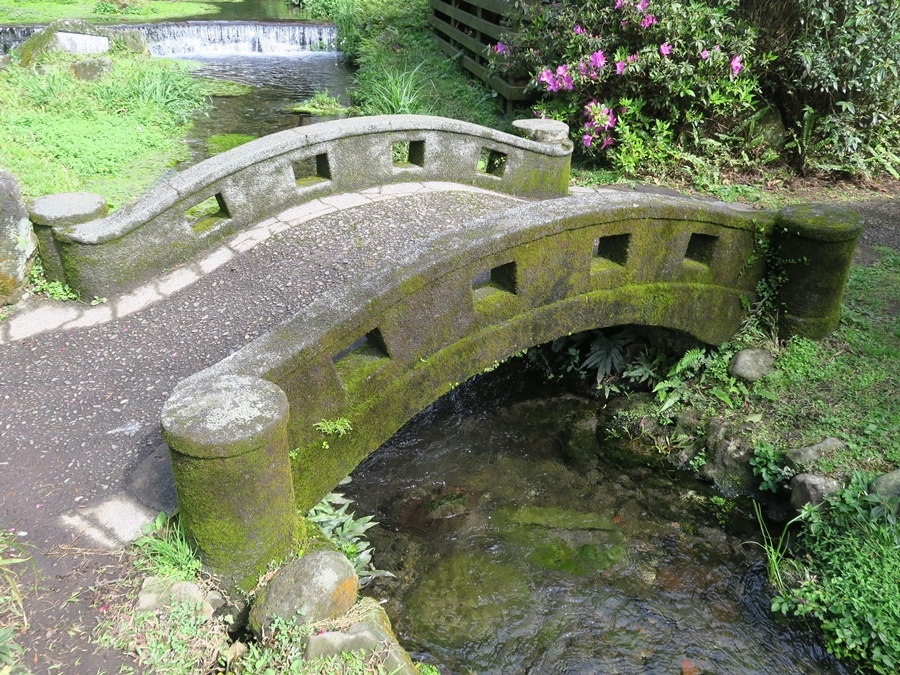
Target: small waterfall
{"type": "Point", "coordinates": [206, 37]}
{"type": "Point", "coordinates": [10, 36]}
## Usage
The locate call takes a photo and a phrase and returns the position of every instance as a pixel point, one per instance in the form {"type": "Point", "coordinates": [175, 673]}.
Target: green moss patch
{"type": "Point", "coordinates": [222, 142]}
{"type": "Point", "coordinates": [136, 11]}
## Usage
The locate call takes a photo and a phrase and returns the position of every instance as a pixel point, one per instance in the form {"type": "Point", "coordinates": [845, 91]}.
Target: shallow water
{"type": "Point", "coordinates": [512, 560]}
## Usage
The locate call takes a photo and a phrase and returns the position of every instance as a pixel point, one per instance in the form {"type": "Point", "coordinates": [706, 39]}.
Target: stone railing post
{"type": "Point", "coordinates": [818, 240]}
{"type": "Point", "coordinates": [548, 132]}
{"type": "Point", "coordinates": [16, 240]}
{"type": "Point", "coordinates": [228, 440]}
{"type": "Point", "coordinates": [57, 211]}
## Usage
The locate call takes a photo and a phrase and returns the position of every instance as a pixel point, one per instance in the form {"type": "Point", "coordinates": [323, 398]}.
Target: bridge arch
{"type": "Point", "coordinates": [246, 455]}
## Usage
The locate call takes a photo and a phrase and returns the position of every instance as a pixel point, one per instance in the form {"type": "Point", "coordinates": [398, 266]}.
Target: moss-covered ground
{"type": "Point", "coordinates": [99, 11]}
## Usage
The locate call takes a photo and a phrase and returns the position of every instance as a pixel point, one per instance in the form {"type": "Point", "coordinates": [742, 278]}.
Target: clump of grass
{"type": "Point", "coordinates": [12, 610]}
{"type": "Point", "coordinates": [219, 143]}
{"type": "Point", "coordinates": [165, 552]}
{"type": "Point", "coordinates": [321, 103]}
{"type": "Point", "coordinates": [62, 134]}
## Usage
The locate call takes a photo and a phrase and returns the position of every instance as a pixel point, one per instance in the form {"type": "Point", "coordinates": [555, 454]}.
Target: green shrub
{"type": "Point", "coordinates": [633, 78]}
{"type": "Point", "coordinates": [852, 576]}
{"type": "Point", "coordinates": [835, 79]}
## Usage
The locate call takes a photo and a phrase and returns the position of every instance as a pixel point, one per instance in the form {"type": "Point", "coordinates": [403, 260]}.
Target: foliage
{"type": "Point", "coordinates": [851, 556]}
{"type": "Point", "coordinates": [165, 551]}
{"type": "Point", "coordinates": [835, 79]}
{"type": "Point", "coordinates": [321, 103]}
{"type": "Point", "coordinates": [635, 79]}
{"type": "Point", "coordinates": [62, 134]}
{"type": "Point", "coordinates": [219, 143]}
{"type": "Point", "coordinates": [768, 464]}
{"type": "Point", "coordinates": [346, 532]}
{"type": "Point", "coordinates": [775, 550]}
{"type": "Point", "coordinates": [388, 41]}
{"type": "Point", "coordinates": [45, 11]}
{"type": "Point", "coordinates": [55, 290]}
{"type": "Point", "coordinates": [12, 611]}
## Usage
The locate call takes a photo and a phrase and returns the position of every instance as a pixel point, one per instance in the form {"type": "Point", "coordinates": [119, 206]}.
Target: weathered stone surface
{"type": "Point", "coordinates": [804, 459]}
{"type": "Point", "coordinates": [17, 241]}
{"type": "Point", "coordinates": [239, 509]}
{"type": "Point", "coordinates": [372, 634]}
{"type": "Point", "coordinates": [76, 43]}
{"type": "Point", "coordinates": [66, 209]}
{"type": "Point", "coordinates": [729, 452]}
{"type": "Point", "coordinates": [92, 69]}
{"type": "Point", "coordinates": [46, 40]}
{"type": "Point", "coordinates": [160, 592]}
{"type": "Point", "coordinates": [811, 488]}
{"type": "Point", "coordinates": [320, 585]}
{"type": "Point", "coordinates": [542, 130]}
{"type": "Point", "coordinates": [750, 365]}
{"type": "Point", "coordinates": [888, 484]}
{"type": "Point", "coordinates": [132, 40]}
{"type": "Point", "coordinates": [5, 60]}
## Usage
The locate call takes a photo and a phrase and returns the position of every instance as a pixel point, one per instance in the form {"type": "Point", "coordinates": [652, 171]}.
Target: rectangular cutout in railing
{"type": "Point", "coordinates": [362, 358]}
{"type": "Point", "coordinates": [701, 248]}
{"type": "Point", "coordinates": [207, 214]}
{"type": "Point", "coordinates": [501, 278]}
{"type": "Point", "coordinates": [408, 154]}
{"type": "Point", "coordinates": [491, 162]}
{"type": "Point", "coordinates": [312, 170]}
{"type": "Point", "coordinates": [612, 249]}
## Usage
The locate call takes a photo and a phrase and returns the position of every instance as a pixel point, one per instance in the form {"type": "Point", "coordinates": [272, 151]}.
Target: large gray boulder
{"type": "Point", "coordinates": [888, 484]}
{"type": "Point", "coordinates": [750, 365]}
{"type": "Point", "coordinates": [320, 585]}
{"type": "Point", "coordinates": [78, 37]}
{"type": "Point", "coordinates": [17, 241]}
{"type": "Point", "coordinates": [729, 451]}
{"type": "Point", "coordinates": [811, 488]}
{"type": "Point", "coordinates": [806, 458]}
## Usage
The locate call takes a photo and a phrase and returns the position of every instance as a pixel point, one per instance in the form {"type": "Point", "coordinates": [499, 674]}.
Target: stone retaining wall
{"type": "Point", "coordinates": [107, 255]}
{"type": "Point", "coordinates": [394, 340]}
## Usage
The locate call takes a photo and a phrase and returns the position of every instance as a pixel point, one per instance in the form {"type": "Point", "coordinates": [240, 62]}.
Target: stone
{"type": "Point", "coordinates": [888, 484]}
{"type": "Point", "coordinates": [320, 585]}
{"type": "Point", "coordinates": [547, 131]}
{"type": "Point", "coordinates": [811, 488]}
{"type": "Point", "coordinates": [77, 43]}
{"type": "Point", "coordinates": [804, 459]}
{"type": "Point", "coordinates": [160, 592]}
{"type": "Point", "coordinates": [92, 69]}
{"type": "Point", "coordinates": [17, 241]}
{"type": "Point", "coordinates": [132, 40]}
{"type": "Point", "coordinates": [729, 452]}
{"type": "Point", "coordinates": [5, 60]}
{"type": "Point", "coordinates": [771, 129]}
{"type": "Point", "coordinates": [750, 365]}
{"type": "Point", "coordinates": [67, 208]}
{"type": "Point", "coordinates": [373, 634]}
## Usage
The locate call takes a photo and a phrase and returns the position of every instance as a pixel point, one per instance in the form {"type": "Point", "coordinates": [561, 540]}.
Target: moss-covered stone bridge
{"type": "Point", "coordinates": [246, 454]}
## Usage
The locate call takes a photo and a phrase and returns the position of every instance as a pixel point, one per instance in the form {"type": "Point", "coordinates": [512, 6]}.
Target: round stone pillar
{"type": "Point", "coordinates": [61, 210]}
{"type": "Point", "coordinates": [228, 440]}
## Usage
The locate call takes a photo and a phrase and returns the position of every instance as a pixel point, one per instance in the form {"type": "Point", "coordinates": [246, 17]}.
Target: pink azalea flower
{"type": "Point", "coordinates": [563, 79]}
{"type": "Point", "coordinates": [500, 48]}
{"type": "Point", "coordinates": [736, 65]}
{"type": "Point", "coordinates": [598, 60]}
{"type": "Point", "coordinates": [665, 49]}
{"type": "Point", "coordinates": [623, 23]}
{"type": "Point", "coordinates": [704, 55]}
{"type": "Point", "coordinates": [586, 139]}
{"type": "Point", "coordinates": [632, 58]}
{"type": "Point", "coordinates": [620, 67]}
{"type": "Point", "coordinates": [608, 141]}
{"type": "Point", "coordinates": [582, 69]}
{"type": "Point", "coordinates": [618, 4]}
{"type": "Point", "coordinates": [648, 21]}
{"type": "Point", "coordinates": [546, 77]}
{"type": "Point", "coordinates": [578, 30]}
{"type": "Point", "coordinates": [642, 5]}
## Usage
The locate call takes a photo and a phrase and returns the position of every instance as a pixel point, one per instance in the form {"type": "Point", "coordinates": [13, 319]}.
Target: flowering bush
{"type": "Point", "coordinates": [635, 77]}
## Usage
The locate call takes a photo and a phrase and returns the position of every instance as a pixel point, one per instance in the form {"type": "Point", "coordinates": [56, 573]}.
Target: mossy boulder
{"type": "Point", "coordinates": [34, 48]}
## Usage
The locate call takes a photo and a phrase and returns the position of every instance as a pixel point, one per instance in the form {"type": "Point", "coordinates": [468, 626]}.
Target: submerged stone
{"type": "Point", "coordinates": [553, 518]}
{"type": "Point", "coordinates": [467, 598]}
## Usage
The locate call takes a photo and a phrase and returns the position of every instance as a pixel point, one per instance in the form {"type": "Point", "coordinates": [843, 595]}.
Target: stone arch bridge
{"type": "Point", "coordinates": [246, 454]}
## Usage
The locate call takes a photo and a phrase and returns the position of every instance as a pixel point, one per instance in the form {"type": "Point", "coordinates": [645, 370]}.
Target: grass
{"type": "Point", "coordinates": [134, 11]}
{"type": "Point", "coordinates": [219, 143]}
{"type": "Point", "coordinates": [13, 619]}
{"type": "Point", "coordinates": [60, 134]}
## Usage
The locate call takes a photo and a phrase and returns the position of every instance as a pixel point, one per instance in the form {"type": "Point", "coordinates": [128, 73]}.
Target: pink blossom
{"type": "Point", "coordinates": [665, 49]}
{"type": "Point", "coordinates": [736, 65]}
{"type": "Point", "coordinates": [598, 60]}
{"type": "Point", "coordinates": [608, 141]}
{"type": "Point", "coordinates": [586, 139]}
{"type": "Point", "coordinates": [620, 67]}
{"type": "Point", "coordinates": [632, 58]}
{"type": "Point", "coordinates": [578, 30]}
{"type": "Point", "coordinates": [582, 69]}
{"type": "Point", "coordinates": [642, 5]}
{"type": "Point", "coordinates": [500, 48]}
{"type": "Point", "coordinates": [563, 78]}
{"type": "Point", "coordinates": [546, 77]}
{"type": "Point", "coordinates": [648, 21]}
{"type": "Point", "coordinates": [623, 23]}
{"type": "Point", "coordinates": [704, 55]}
{"type": "Point", "coordinates": [618, 4]}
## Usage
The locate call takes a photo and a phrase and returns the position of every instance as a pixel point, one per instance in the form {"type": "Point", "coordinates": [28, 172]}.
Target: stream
{"type": "Point", "coordinates": [510, 558]}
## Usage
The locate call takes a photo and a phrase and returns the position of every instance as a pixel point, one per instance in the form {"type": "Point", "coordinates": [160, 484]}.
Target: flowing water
{"type": "Point", "coordinates": [511, 559]}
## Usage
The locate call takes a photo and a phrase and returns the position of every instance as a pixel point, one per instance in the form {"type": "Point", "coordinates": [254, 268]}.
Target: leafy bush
{"type": "Point", "coordinates": [835, 79]}
{"type": "Point", "coordinates": [852, 579]}
{"type": "Point", "coordinates": [634, 77]}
